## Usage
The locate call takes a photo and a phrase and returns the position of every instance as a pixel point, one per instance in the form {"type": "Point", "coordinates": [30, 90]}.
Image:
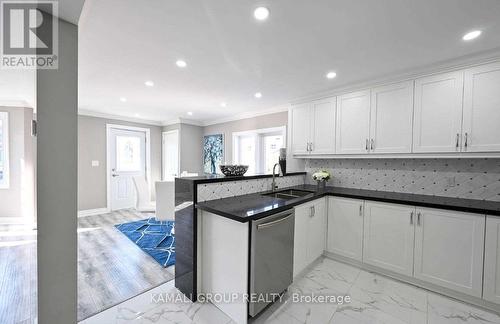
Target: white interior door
{"type": "Point", "coordinates": [127, 153]}
{"type": "Point", "coordinates": [170, 154]}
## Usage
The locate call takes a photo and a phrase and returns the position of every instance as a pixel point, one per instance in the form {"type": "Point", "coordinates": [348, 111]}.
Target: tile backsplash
{"type": "Point", "coordinates": [462, 178]}
{"type": "Point", "coordinates": [218, 190]}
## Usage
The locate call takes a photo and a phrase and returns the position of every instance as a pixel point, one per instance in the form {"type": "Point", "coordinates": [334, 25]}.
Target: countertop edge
{"type": "Point", "coordinates": [198, 180]}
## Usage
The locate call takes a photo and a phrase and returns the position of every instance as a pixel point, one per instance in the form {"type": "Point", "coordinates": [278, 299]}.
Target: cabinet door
{"type": "Point", "coordinates": [449, 249]}
{"type": "Point", "coordinates": [316, 230]}
{"type": "Point", "coordinates": [482, 109]}
{"type": "Point", "coordinates": [345, 227]}
{"type": "Point", "coordinates": [353, 123]}
{"type": "Point", "coordinates": [391, 120]}
{"type": "Point", "coordinates": [301, 128]}
{"type": "Point", "coordinates": [491, 285]}
{"type": "Point", "coordinates": [300, 260]}
{"type": "Point", "coordinates": [438, 113]}
{"type": "Point", "coordinates": [323, 126]}
{"type": "Point", "coordinates": [388, 236]}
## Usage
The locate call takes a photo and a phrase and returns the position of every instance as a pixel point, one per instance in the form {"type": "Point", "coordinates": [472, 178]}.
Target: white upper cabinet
{"type": "Point", "coordinates": [301, 128]}
{"type": "Point", "coordinates": [438, 113]}
{"type": "Point", "coordinates": [353, 123]}
{"type": "Point", "coordinates": [323, 126]}
{"type": "Point", "coordinates": [345, 227]}
{"type": "Point", "coordinates": [491, 284]}
{"type": "Point", "coordinates": [482, 109]}
{"type": "Point", "coordinates": [388, 226]}
{"type": "Point", "coordinates": [449, 249]}
{"type": "Point", "coordinates": [391, 118]}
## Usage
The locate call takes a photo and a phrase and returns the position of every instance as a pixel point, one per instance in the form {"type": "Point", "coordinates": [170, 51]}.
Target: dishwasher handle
{"type": "Point", "coordinates": [272, 223]}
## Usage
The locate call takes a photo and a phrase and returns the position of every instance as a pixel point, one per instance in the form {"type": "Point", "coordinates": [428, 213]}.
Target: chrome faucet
{"type": "Point", "coordinates": [274, 176]}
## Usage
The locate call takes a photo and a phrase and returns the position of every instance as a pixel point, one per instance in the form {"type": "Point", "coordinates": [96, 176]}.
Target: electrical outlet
{"type": "Point", "coordinates": [450, 182]}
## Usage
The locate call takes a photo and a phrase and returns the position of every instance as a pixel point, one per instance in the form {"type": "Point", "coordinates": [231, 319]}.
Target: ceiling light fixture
{"type": "Point", "coordinates": [331, 75]}
{"type": "Point", "coordinates": [223, 104]}
{"type": "Point", "coordinates": [137, 115]}
{"type": "Point", "coordinates": [261, 13]}
{"type": "Point", "coordinates": [190, 113]}
{"type": "Point", "coordinates": [258, 95]}
{"type": "Point", "coordinates": [471, 35]}
{"type": "Point", "coordinates": [123, 99]}
{"type": "Point", "coordinates": [149, 83]}
{"type": "Point", "coordinates": [181, 63]}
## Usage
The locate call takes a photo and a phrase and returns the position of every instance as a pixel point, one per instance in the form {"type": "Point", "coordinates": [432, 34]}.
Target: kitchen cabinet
{"type": "Point", "coordinates": [438, 113]}
{"type": "Point", "coordinates": [391, 118]}
{"type": "Point", "coordinates": [491, 284]}
{"type": "Point", "coordinates": [449, 249]}
{"type": "Point", "coordinates": [388, 236]}
{"type": "Point", "coordinates": [313, 127]}
{"type": "Point", "coordinates": [309, 236]}
{"type": "Point", "coordinates": [353, 122]}
{"type": "Point", "coordinates": [482, 109]}
{"type": "Point", "coordinates": [345, 227]}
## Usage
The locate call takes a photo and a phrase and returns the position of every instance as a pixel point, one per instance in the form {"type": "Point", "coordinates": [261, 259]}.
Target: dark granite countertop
{"type": "Point", "coordinates": [254, 206]}
{"type": "Point", "coordinates": [209, 178]}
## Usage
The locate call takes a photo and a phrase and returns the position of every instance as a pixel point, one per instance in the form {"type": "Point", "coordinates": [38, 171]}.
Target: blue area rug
{"type": "Point", "coordinates": [153, 237]}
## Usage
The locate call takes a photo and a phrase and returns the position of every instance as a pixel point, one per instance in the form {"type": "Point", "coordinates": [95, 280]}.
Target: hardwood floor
{"type": "Point", "coordinates": [111, 269]}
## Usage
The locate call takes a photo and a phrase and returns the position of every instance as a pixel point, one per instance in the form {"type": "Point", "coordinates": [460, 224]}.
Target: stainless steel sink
{"type": "Point", "coordinates": [288, 194]}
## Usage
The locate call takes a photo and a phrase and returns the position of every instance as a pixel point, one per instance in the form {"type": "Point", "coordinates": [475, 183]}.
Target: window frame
{"type": "Point", "coordinates": [5, 183]}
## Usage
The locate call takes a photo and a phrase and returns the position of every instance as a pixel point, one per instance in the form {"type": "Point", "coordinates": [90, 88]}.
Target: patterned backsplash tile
{"type": "Point", "coordinates": [218, 190]}
{"type": "Point", "coordinates": [461, 178]}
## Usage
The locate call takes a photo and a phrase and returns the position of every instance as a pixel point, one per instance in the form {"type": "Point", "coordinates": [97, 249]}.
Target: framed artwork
{"type": "Point", "coordinates": [213, 153]}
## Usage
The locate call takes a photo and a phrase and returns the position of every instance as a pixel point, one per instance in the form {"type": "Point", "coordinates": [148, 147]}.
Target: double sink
{"type": "Point", "coordinates": [288, 194]}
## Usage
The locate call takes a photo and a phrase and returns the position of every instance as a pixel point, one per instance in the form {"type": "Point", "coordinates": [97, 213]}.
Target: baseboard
{"type": "Point", "coordinates": [92, 212]}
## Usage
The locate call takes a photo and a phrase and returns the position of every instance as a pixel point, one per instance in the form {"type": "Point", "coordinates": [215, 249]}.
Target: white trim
{"type": "Point", "coordinates": [91, 113]}
{"type": "Point", "coordinates": [246, 115]}
{"type": "Point", "coordinates": [451, 155]}
{"type": "Point", "coordinates": [4, 115]}
{"type": "Point", "coordinates": [163, 152]}
{"type": "Point", "coordinates": [92, 212]}
{"type": "Point", "coordinates": [108, 156]}
{"type": "Point", "coordinates": [182, 121]}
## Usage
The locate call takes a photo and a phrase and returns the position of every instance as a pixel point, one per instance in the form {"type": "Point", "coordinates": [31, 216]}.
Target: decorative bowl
{"type": "Point", "coordinates": [233, 169]}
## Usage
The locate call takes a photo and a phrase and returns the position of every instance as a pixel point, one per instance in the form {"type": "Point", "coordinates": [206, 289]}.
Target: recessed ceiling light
{"type": "Point", "coordinates": [223, 104]}
{"type": "Point", "coordinates": [137, 115]}
{"type": "Point", "coordinates": [471, 35]}
{"type": "Point", "coordinates": [149, 83]}
{"type": "Point", "coordinates": [331, 75]}
{"type": "Point", "coordinates": [190, 113]}
{"type": "Point", "coordinates": [261, 13]}
{"type": "Point", "coordinates": [123, 99]}
{"type": "Point", "coordinates": [181, 63]}
{"type": "Point", "coordinates": [258, 95]}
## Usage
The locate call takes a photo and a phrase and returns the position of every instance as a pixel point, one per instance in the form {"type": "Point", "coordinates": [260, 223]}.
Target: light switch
{"type": "Point", "coordinates": [95, 163]}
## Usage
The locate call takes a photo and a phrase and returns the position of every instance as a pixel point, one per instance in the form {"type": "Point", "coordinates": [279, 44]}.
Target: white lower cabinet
{"type": "Point", "coordinates": [449, 249]}
{"type": "Point", "coordinates": [310, 232]}
{"type": "Point", "coordinates": [491, 284]}
{"type": "Point", "coordinates": [388, 236]}
{"type": "Point", "coordinates": [345, 227]}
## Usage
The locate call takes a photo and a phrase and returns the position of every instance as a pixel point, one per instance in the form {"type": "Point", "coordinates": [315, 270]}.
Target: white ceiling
{"type": "Point", "coordinates": [231, 56]}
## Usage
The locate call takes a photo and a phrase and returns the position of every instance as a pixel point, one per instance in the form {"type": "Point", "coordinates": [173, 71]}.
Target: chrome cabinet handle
{"type": "Point", "coordinates": [372, 144]}
{"type": "Point", "coordinates": [366, 144]}
{"type": "Point", "coordinates": [312, 211]}
{"type": "Point", "coordinates": [312, 147]}
{"type": "Point", "coordinates": [411, 218]}
{"type": "Point", "coordinates": [418, 218]}
{"type": "Point", "coordinates": [458, 139]}
{"type": "Point", "coordinates": [360, 210]}
{"type": "Point", "coordinates": [307, 145]}
{"type": "Point", "coordinates": [466, 140]}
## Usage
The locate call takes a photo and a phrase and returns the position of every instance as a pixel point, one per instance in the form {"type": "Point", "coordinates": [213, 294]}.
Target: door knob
{"type": "Point", "coordinates": [115, 175]}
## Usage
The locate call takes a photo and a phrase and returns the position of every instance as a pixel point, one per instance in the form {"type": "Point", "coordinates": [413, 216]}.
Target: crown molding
{"type": "Point", "coordinates": [246, 115]}
{"type": "Point", "coordinates": [91, 113]}
{"type": "Point", "coordinates": [182, 121]}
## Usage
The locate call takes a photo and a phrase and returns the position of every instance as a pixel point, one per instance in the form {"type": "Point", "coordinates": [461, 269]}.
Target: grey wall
{"type": "Point", "coordinates": [92, 146]}
{"type": "Point", "coordinates": [57, 98]}
{"type": "Point", "coordinates": [462, 178]}
{"type": "Point", "coordinates": [18, 200]}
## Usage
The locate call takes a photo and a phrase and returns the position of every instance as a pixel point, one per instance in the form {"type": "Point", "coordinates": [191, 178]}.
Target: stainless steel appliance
{"type": "Point", "coordinates": [271, 258]}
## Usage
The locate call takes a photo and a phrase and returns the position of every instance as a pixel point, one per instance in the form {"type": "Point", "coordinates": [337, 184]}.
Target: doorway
{"type": "Point", "coordinates": [171, 154]}
{"type": "Point", "coordinates": [128, 155]}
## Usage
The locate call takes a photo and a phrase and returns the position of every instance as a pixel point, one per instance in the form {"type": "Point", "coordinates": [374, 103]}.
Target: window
{"type": "Point", "coordinates": [4, 150]}
{"type": "Point", "coordinates": [259, 149]}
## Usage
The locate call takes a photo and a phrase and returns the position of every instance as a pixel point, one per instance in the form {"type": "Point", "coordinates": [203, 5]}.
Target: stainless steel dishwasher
{"type": "Point", "coordinates": [271, 258]}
